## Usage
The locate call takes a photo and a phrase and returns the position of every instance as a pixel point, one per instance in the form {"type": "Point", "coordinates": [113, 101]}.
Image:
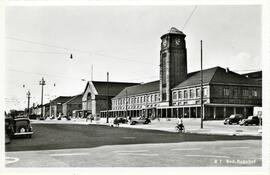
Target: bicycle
{"type": "Point", "coordinates": [180, 128]}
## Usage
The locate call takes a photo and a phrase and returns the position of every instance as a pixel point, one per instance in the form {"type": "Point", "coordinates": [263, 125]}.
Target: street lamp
{"type": "Point", "coordinates": [28, 103]}
{"type": "Point", "coordinates": [42, 83]}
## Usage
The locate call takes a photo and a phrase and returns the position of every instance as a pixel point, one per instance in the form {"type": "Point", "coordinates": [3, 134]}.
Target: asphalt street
{"type": "Point", "coordinates": [67, 145]}
{"type": "Point", "coordinates": [185, 154]}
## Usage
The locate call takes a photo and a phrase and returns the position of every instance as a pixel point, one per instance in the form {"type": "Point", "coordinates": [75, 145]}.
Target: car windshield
{"type": "Point", "coordinates": [232, 116]}
{"type": "Point", "coordinates": [250, 117]}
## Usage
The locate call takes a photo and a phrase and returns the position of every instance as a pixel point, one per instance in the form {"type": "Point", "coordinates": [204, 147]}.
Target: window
{"type": "Point", "coordinates": [226, 92]}
{"type": "Point", "coordinates": [245, 92]}
{"type": "Point", "coordinates": [235, 90]}
{"type": "Point", "coordinates": [198, 92]}
{"type": "Point", "coordinates": [205, 92]}
{"type": "Point", "coordinates": [163, 96]}
{"type": "Point", "coordinates": [185, 94]}
{"type": "Point", "coordinates": [180, 96]}
{"type": "Point", "coordinates": [191, 93]}
{"type": "Point", "coordinates": [254, 93]}
{"type": "Point", "coordinates": [174, 95]}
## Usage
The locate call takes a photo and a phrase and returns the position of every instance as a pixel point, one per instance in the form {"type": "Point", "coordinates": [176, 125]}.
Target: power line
{"type": "Point", "coordinates": [189, 17]}
{"type": "Point", "coordinates": [69, 49]}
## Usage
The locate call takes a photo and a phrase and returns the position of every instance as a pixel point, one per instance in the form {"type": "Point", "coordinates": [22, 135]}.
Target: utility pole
{"type": "Point", "coordinates": [28, 102]}
{"type": "Point", "coordinates": [202, 107]}
{"type": "Point", "coordinates": [42, 83]}
{"type": "Point", "coordinates": [107, 116]}
{"type": "Point", "coordinates": [126, 105]}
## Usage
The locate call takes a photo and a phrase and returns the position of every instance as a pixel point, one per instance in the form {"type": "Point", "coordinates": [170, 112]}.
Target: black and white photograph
{"type": "Point", "coordinates": [135, 86]}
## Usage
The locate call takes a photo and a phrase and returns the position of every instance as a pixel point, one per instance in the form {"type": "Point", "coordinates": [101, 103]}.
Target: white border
{"type": "Point", "coordinates": [197, 170]}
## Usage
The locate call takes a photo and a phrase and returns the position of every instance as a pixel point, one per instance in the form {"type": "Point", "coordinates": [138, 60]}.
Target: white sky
{"type": "Point", "coordinates": [231, 36]}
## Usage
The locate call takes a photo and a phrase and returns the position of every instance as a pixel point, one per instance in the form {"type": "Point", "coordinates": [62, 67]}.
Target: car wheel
{"type": "Point", "coordinates": [246, 124]}
{"type": "Point", "coordinates": [230, 123]}
{"type": "Point", "coordinates": [133, 123]}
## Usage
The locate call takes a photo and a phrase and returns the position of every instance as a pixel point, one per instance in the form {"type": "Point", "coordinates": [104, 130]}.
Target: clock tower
{"type": "Point", "coordinates": [173, 63]}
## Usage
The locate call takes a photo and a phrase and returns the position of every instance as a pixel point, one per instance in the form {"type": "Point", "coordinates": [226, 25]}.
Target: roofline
{"type": "Point", "coordinates": [135, 94]}
{"type": "Point", "coordinates": [231, 84]}
{"type": "Point", "coordinates": [115, 82]}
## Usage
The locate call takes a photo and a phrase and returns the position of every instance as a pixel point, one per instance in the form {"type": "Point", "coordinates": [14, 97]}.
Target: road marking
{"type": "Point", "coordinates": [137, 154]}
{"type": "Point", "coordinates": [134, 151]}
{"type": "Point", "coordinates": [236, 147]}
{"type": "Point", "coordinates": [207, 156]}
{"type": "Point", "coordinates": [186, 149]}
{"type": "Point", "coordinates": [69, 154]}
{"type": "Point", "coordinates": [129, 137]}
{"type": "Point", "coordinates": [9, 160]}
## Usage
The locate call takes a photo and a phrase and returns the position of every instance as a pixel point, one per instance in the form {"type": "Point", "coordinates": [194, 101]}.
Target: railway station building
{"type": "Point", "coordinates": [178, 93]}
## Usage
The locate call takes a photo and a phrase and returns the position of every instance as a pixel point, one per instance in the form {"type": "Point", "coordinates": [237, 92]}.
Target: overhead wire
{"type": "Point", "coordinates": [189, 17]}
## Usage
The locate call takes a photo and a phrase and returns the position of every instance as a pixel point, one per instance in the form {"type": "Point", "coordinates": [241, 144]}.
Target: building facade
{"type": "Point", "coordinates": [98, 94]}
{"type": "Point", "coordinates": [75, 103]}
{"type": "Point", "coordinates": [178, 93]}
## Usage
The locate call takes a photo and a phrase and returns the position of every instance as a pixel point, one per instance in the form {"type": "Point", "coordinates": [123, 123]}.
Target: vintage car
{"type": "Point", "coordinates": [119, 120]}
{"type": "Point", "coordinates": [19, 127]}
{"type": "Point", "coordinates": [139, 120]}
{"type": "Point", "coordinates": [234, 118]}
{"type": "Point", "coordinates": [251, 120]}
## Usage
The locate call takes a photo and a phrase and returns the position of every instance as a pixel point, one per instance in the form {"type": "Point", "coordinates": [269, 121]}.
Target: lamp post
{"type": "Point", "coordinates": [42, 83]}
{"type": "Point", "coordinates": [28, 102]}
{"type": "Point", "coordinates": [126, 104]}
{"type": "Point", "coordinates": [202, 107]}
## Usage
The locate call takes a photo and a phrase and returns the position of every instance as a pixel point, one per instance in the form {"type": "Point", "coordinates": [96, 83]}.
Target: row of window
{"type": "Point", "coordinates": [137, 100]}
{"type": "Point", "coordinates": [133, 107]}
{"type": "Point", "coordinates": [189, 93]}
{"type": "Point", "coordinates": [235, 92]}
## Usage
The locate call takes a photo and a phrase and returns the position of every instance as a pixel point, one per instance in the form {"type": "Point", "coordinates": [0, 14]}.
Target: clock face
{"type": "Point", "coordinates": [164, 42]}
{"type": "Point", "coordinates": [177, 41]}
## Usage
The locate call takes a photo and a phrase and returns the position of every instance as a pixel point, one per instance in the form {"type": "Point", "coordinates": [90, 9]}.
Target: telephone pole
{"type": "Point", "coordinates": [28, 102]}
{"type": "Point", "coordinates": [42, 83]}
{"type": "Point", "coordinates": [107, 116]}
{"type": "Point", "coordinates": [202, 107]}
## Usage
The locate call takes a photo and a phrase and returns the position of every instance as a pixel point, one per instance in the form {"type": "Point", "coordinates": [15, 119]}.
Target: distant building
{"type": "Point", "coordinates": [98, 94]}
{"type": "Point", "coordinates": [56, 105]}
{"type": "Point", "coordinates": [75, 103]}
{"type": "Point", "coordinates": [178, 93]}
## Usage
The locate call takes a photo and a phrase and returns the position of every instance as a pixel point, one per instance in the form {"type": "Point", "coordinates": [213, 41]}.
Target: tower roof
{"type": "Point", "coordinates": [174, 30]}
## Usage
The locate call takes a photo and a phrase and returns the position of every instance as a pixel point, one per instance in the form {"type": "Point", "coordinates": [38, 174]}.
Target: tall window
{"type": "Point", "coordinates": [180, 96]}
{"type": "Point", "coordinates": [235, 92]}
{"type": "Point", "coordinates": [198, 92]}
{"type": "Point", "coordinates": [245, 92]}
{"type": "Point", "coordinates": [185, 94]}
{"type": "Point", "coordinates": [205, 92]}
{"type": "Point", "coordinates": [191, 93]}
{"type": "Point", "coordinates": [226, 92]}
{"type": "Point", "coordinates": [254, 93]}
{"type": "Point", "coordinates": [174, 95]}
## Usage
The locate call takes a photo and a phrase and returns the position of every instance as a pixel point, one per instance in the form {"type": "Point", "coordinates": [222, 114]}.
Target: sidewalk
{"type": "Point", "coordinates": [191, 126]}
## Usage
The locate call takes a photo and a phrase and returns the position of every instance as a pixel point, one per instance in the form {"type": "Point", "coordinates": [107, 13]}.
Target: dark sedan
{"type": "Point", "coordinates": [235, 118]}
{"type": "Point", "coordinates": [251, 120]}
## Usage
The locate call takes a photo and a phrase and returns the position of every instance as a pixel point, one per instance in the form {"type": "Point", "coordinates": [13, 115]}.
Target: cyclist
{"type": "Point", "coordinates": [180, 124]}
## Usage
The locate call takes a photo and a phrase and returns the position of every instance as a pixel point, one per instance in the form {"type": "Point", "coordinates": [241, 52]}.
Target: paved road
{"type": "Point", "coordinates": [65, 145]}
{"type": "Point", "coordinates": [185, 154]}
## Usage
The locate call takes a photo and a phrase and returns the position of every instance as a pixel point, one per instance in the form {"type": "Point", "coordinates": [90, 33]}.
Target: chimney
{"type": "Point", "coordinates": [227, 70]}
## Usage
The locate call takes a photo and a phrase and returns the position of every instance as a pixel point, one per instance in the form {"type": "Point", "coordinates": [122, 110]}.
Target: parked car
{"type": "Point", "coordinates": [139, 120]}
{"type": "Point", "coordinates": [20, 127]}
{"type": "Point", "coordinates": [119, 120]}
{"type": "Point", "coordinates": [234, 118]}
{"type": "Point", "coordinates": [251, 120]}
